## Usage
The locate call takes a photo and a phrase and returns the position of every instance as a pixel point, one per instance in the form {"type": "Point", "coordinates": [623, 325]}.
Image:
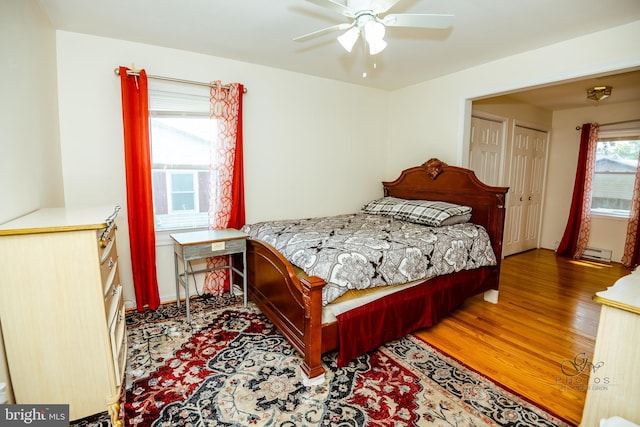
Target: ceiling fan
{"type": "Point", "coordinates": [368, 24]}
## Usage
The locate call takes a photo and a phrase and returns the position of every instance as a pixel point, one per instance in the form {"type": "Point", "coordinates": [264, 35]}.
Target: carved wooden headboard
{"type": "Point", "coordinates": [435, 180]}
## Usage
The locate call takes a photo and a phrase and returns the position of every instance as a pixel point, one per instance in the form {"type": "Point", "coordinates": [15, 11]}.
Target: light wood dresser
{"type": "Point", "coordinates": [614, 383]}
{"type": "Point", "coordinates": [62, 310]}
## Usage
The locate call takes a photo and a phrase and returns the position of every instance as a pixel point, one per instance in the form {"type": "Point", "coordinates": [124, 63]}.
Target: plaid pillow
{"type": "Point", "coordinates": [419, 211]}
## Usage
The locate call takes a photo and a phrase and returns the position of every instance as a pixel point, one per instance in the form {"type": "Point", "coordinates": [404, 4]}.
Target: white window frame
{"type": "Point", "coordinates": [613, 135]}
{"type": "Point", "coordinates": [179, 101]}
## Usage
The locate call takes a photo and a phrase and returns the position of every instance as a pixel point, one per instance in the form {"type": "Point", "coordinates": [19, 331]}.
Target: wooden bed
{"type": "Point", "coordinates": [295, 305]}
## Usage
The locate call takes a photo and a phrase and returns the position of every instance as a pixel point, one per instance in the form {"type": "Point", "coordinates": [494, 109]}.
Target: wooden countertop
{"type": "Point", "coordinates": [624, 294]}
{"type": "Point", "coordinates": [50, 220]}
{"type": "Point", "coordinates": [207, 236]}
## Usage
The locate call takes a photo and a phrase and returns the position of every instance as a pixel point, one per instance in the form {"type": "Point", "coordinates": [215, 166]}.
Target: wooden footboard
{"type": "Point", "coordinates": [293, 306]}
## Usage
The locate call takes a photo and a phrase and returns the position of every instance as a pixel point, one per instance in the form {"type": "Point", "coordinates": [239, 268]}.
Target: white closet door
{"type": "Point", "coordinates": [485, 149]}
{"type": "Point", "coordinates": [535, 188]}
{"type": "Point", "coordinates": [526, 162]}
{"type": "Point", "coordinates": [517, 171]}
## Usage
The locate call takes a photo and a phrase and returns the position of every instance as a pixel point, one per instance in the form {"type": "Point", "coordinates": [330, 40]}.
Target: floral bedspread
{"type": "Point", "coordinates": [358, 251]}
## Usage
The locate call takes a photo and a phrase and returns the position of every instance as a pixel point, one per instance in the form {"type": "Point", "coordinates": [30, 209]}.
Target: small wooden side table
{"type": "Point", "coordinates": [196, 245]}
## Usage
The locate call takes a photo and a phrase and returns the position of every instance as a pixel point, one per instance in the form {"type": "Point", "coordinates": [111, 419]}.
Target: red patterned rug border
{"type": "Point", "coordinates": [496, 383]}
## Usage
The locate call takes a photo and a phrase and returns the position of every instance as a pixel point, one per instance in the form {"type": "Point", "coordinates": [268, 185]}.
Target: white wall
{"type": "Point", "coordinates": [30, 172]}
{"type": "Point", "coordinates": [515, 112]}
{"type": "Point", "coordinates": [607, 233]}
{"type": "Point", "coordinates": [312, 146]}
{"type": "Point", "coordinates": [431, 119]}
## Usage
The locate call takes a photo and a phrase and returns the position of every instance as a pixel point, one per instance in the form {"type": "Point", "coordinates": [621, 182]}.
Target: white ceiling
{"type": "Point", "coordinates": [261, 32]}
{"type": "Point", "coordinates": [567, 95]}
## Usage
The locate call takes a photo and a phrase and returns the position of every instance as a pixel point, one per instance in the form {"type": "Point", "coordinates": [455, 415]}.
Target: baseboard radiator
{"type": "Point", "coordinates": [597, 254]}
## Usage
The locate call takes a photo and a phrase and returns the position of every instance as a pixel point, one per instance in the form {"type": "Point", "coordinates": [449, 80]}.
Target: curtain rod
{"type": "Point", "coordinates": [613, 123]}
{"type": "Point", "coordinates": [619, 123]}
{"type": "Point", "coordinates": [171, 79]}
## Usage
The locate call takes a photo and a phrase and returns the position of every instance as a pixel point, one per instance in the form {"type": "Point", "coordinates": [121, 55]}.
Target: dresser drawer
{"type": "Point", "coordinates": [117, 335]}
{"type": "Point", "coordinates": [109, 266]}
{"type": "Point", "coordinates": [108, 252]}
{"type": "Point", "coordinates": [111, 279]}
{"type": "Point", "coordinates": [112, 302]}
{"type": "Point", "coordinates": [203, 250]}
{"type": "Point", "coordinates": [121, 363]}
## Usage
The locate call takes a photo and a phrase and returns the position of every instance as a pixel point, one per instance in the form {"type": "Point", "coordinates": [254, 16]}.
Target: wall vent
{"type": "Point", "coordinates": [597, 254]}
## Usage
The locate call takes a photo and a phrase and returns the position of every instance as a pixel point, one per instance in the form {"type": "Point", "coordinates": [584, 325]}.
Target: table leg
{"type": "Point", "coordinates": [186, 289]}
{"type": "Point", "coordinates": [230, 271]}
{"type": "Point", "coordinates": [244, 276]}
{"type": "Point", "coordinates": [177, 277]}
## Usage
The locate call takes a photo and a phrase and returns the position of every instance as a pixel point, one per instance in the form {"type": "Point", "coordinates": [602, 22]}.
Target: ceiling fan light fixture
{"type": "Point", "coordinates": [365, 22]}
{"type": "Point", "coordinates": [349, 38]}
{"type": "Point", "coordinates": [599, 93]}
{"type": "Point", "coordinates": [374, 34]}
{"type": "Point", "coordinates": [377, 47]}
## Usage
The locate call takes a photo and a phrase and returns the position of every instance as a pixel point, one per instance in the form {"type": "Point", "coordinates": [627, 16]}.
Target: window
{"type": "Point", "coordinates": [183, 192]}
{"type": "Point", "coordinates": [615, 174]}
{"type": "Point", "coordinates": [181, 131]}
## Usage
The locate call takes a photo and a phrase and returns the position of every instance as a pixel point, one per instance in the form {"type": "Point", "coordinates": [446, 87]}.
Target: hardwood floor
{"type": "Point", "coordinates": [545, 316]}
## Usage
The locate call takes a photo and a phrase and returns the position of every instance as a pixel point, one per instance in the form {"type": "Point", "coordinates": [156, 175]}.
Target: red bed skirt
{"type": "Point", "coordinates": [367, 327]}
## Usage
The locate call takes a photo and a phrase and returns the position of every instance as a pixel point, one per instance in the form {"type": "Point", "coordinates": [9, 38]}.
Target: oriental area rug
{"type": "Point", "coordinates": [231, 367]}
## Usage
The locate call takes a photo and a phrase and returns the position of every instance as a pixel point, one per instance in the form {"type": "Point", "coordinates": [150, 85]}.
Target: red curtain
{"type": "Point", "coordinates": [137, 156]}
{"type": "Point", "coordinates": [226, 192]}
{"type": "Point", "coordinates": [236, 216]}
{"type": "Point", "coordinates": [631, 256]}
{"type": "Point", "coordinates": [576, 234]}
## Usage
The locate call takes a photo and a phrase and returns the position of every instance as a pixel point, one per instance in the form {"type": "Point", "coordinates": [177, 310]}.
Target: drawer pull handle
{"type": "Point", "coordinates": [104, 241]}
{"type": "Point", "coordinates": [111, 224]}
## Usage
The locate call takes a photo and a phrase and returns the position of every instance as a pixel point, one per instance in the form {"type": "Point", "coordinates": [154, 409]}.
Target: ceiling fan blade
{"type": "Point", "coordinates": [418, 20]}
{"type": "Point", "coordinates": [324, 31]}
{"type": "Point", "coordinates": [334, 5]}
{"type": "Point", "coordinates": [381, 6]}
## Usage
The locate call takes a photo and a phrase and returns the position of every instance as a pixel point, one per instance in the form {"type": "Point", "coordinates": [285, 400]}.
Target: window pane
{"type": "Point", "coordinates": [612, 191]}
{"type": "Point", "coordinates": [614, 176]}
{"type": "Point", "coordinates": [181, 141]}
{"type": "Point", "coordinates": [182, 202]}
{"type": "Point", "coordinates": [182, 182]}
{"type": "Point", "coordinates": [181, 134]}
